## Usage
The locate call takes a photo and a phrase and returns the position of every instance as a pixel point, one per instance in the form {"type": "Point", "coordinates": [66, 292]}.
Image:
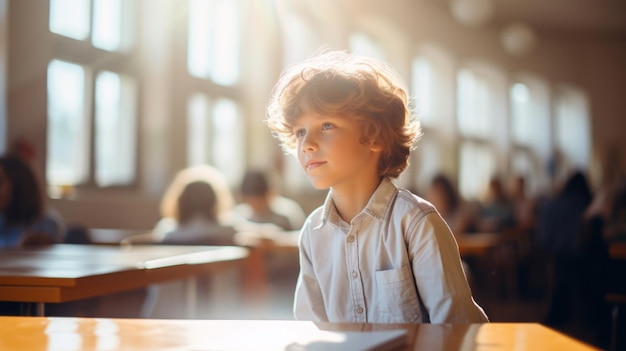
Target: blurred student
{"type": "Point", "coordinates": [559, 227]}
{"type": "Point", "coordinates": [373, 252]}
{"type": "Point", "coordinates": [444, 196]}
{"type": "Point", "coordinates": [497, 212]}
{"type": "Point", "coordinates": [25, 219]}
{"type": "Point", "coordinates": [262, 205]}
{"type": "Point", "coordinates": [194, 209]}
{"type": "Point", "coordinates": [524, 205]}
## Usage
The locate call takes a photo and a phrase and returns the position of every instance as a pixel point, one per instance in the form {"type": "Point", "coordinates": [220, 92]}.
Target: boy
{"type": "Point", "coordinates": [372, 253]}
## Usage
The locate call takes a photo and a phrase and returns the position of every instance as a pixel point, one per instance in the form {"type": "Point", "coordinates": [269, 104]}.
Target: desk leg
{"type": "Point", "coordinates": [192, 297]}
{"type": "Point", "coordinates": [41, 309]}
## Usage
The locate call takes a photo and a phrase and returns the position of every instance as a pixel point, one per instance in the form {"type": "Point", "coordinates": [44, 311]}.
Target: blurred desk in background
{"type": "Point", "coordinates": [617, 250]}
{"type": "Point", "coordinates": [66, 272]}
{"type": "Point", "coordinates": [266, 248]}
{"type": "Point", "coordinates": [477, 244]}
{"type": "Point", "coordinates": [112, 236]}
{"type": "Point", "coordinates": [40, 333]}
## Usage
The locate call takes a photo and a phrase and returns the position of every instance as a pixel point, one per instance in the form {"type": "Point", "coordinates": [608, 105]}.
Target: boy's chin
{"type": "Point", "coordinates": [319, 185]}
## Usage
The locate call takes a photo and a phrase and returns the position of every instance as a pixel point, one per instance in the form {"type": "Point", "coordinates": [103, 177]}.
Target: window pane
{"type": "Point", "coordinates": [423, 88]}
{"type": "Point", "coordinates": [107, 24]}
{"type": "Point", "coordinates": [228, 143]}
{"type": "Point", "coordinates": [572, 127]}
{"type": "Point", "coordinates": [521, 114]}
{"type": "Point", "coordinates": [473, 114]}
{"type": "Point", "coordinates": [477, 165]}
{"type": "Point", "coordinates": [213, 39]}
{"type": "Point", "coordinates": [68, 127]}
{"type": "Point", "coordinates": [198, 130]}
{"type": "Point", "coordinates": [363, 44]}
{"type": "Point", "coordinates": [300, 39]}
{"type": "Point", "coordinates": [215, 135]}
{"type": "Point", "coordinates": [530, 115]}
{"type": "Point", "coordinates": [115, 129]}
{"type": "Point", "coordinates": [70, 18]}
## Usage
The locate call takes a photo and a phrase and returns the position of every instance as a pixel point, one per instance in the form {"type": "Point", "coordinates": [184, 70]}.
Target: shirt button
{"type": "Point", "coordinates": [351, 238]}
{"type": "Point", "coordinates": [359, 309]}
{"type": "Point", "coordinates": [354, 274]}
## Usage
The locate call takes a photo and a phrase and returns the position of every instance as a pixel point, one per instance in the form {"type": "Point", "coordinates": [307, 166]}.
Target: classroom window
{"type": "Point", "coordinates": [68, 127]}
{"type": "Point", "coordinates": [116, 129]}
{"type": "Point", "coordinates": [92, 106]}
{"type": "Point", "coordinates": [107, 24]}
{"type": "Point", "coordinates": [474, 116]}
{"type": "Point", "coordinates": [363, 44]}
{"type": "Point", "coordinates": [572, 128]}
{"type": "Point", "coordinates": [476, 126]}
{"type": "Point", "coordinates": [432, 99]}
{"type": "Point", "coordinates": [213, 40]}
{"type": "Point", "coordinates": [70, 18]}
{"type": "Point", "coordinates": [424, 82]}
{"type": "Point", "coordinates": [215, 130]}
{"type": "Point", "coordinates": [299, 37]}
{"type": "Point", "coordinates": [530, 115]}
{"type": "Point", "coordinates": [476, 167]}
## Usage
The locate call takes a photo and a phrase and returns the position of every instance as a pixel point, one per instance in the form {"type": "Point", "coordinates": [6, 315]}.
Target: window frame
{"type": "Point", "coordinates": [95, 60]}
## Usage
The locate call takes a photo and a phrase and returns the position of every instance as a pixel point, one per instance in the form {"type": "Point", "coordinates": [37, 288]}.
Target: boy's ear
{"type": "Point", "coordinates": [375, 146]}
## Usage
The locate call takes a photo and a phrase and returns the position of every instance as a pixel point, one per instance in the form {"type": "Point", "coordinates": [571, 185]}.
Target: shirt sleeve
{"type": "Point", "coordinates": [308, 301]}
{"type": "Point", "coordinates": [438, 272]}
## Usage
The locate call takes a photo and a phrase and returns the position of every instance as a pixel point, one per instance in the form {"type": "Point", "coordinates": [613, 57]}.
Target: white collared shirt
{"type": "Point", "coordinates": [396, 262]}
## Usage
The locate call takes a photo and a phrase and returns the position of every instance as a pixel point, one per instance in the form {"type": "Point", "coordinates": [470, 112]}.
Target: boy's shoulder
{"type": "Point", "coordinates": [406, 201]}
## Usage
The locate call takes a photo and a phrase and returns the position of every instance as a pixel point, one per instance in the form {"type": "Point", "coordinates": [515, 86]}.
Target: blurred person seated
{"type": "Point", "coordinates": [524, 206]}
{"type": "Point", "coordinates": [25, 219]}
{"type": "Point", "coordinates": [497, 213]}
{"type": "Point", "coordinates": [444, 196]}
{"type": "Point", "coordinates": [261, 204]}
{"type": "Point", "coordinates": [559, 227]}
{"type": "Point", "coordinates": [195, 208]}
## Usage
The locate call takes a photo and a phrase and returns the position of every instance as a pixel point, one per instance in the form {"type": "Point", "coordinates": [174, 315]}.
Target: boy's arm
{"type": "Point", "coordinates": [438, 273]}
{"type": "Point", "coordinates": [308, 301]}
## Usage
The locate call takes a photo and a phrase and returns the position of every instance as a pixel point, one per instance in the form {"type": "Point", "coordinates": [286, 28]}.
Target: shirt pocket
{"type": "Point", "coordinates": [398, 300]}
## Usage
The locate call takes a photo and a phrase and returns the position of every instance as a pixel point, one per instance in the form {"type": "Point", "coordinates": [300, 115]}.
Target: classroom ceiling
{"type": "Point", "coordinates": [576, 17]}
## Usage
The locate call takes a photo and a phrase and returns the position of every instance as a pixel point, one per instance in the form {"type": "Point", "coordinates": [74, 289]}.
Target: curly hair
{"type": "Point", "coordinates": [340, 83]}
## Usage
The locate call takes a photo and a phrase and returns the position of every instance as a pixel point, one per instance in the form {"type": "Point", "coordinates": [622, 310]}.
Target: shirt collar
{"type": "Point", "coordinates": [376, 206]}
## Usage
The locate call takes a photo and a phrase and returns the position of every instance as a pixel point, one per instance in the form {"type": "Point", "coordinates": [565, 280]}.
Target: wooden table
{"type": "Point", "coordinates": [41, 333]}
{"type": "Point", "coordinates": [477, 244]}
{"type": "Point", "coordinates": [263, 245]}
{"type": "Point", "coordinates": [471, 244]}
{"type": "Point", "coordinates": [65, 272]}
{"type": "Point", "coordinates": [617, 250]}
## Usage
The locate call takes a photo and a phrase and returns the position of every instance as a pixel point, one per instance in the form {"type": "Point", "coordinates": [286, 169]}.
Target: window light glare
{"type": "Point", "coordinates": [70, 18]}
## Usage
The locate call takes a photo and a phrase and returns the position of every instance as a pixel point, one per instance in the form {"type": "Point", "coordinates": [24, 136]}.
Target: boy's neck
{"type": "Point", "coordinates": [350, 199]}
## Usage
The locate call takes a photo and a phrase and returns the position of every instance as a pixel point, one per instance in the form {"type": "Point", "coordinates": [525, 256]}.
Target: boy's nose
{"type": "Point", "coordinates": [308, 143]}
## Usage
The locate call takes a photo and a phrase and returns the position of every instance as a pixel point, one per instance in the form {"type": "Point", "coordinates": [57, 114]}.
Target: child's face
{"type": "Point", "coordinates": [330, 151]}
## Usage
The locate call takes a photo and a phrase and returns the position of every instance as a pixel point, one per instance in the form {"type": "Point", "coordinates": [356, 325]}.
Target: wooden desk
{"type": "Point", "coordinates": [473, 244]}
{"type": "Point", "coordinates": [286, 243]}
{"type": "Point", "coordinates": [477, 244]}
{"type": "Point", "coordinates": [617, 250]}
{"type": "Point", "coordinates": [40, 333]}
{"type": "Point", "coordinates": [65, 272]}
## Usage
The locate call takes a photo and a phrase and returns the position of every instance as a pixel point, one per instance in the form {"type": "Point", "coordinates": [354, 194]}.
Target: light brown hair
{"type": "Point", "coordinates": [339, 83]}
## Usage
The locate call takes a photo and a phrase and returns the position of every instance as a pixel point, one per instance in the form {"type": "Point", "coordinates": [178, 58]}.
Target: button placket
{"type": "Point", "coordinates": [356, 285]}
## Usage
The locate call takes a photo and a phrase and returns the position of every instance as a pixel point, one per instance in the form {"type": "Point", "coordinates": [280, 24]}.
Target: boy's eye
{"type": "Point", "coordinates": [327, 126]}
{"type": "Point", "coordinates": [300, 132]}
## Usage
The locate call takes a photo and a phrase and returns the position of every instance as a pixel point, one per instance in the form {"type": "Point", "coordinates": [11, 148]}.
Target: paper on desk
{"type": "Point", "coordinates": [300, 337]}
